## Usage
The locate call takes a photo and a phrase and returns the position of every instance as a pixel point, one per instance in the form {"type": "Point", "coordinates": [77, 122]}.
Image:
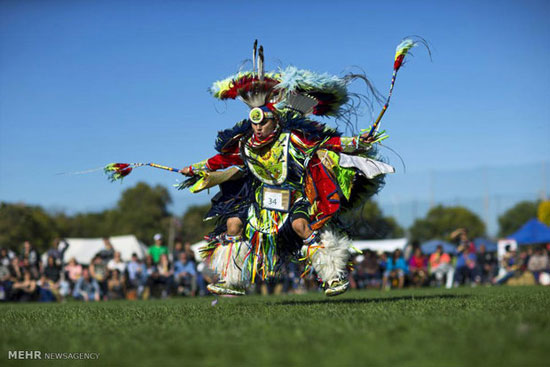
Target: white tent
{"type": "Point", "coordinates": [381, 245]}
{"type": "Point", "coordinates": [84, 249]}
{"type": "Point", "coordinates": [196, 247]}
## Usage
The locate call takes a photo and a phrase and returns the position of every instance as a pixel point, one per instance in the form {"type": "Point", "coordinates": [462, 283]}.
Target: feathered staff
{"type": "Point", "coordinates": [117, 171]}
{"type": "Point", "coordinates": [199, 182]}
{"type": "Point", "coordinates": [400, 52]}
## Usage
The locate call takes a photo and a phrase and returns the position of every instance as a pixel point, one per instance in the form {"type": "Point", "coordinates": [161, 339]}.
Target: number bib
{"type": "Point", "coordinates": [276, 199]}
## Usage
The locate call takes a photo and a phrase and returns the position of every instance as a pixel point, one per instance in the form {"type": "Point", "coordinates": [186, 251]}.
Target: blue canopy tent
{"type": "Point", "coordinates": [532, 232]}
{"type": "Point", "coordinates": [490, 246]}
{"type": "Point", "coordinates": [431, 246]}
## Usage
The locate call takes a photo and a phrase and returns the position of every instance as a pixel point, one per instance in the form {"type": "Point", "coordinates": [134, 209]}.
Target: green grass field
{"type": "Point", "coordinates": [505, 326]}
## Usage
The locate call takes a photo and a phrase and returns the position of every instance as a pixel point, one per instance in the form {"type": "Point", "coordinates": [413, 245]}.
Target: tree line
{"type": "Point", "coordinates": [143, 210]}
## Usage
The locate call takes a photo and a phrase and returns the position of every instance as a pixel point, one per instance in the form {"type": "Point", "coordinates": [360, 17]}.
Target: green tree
{"type": "Point", "coordinates": [194, 228]}
{"type": "Point", "coordinates": [19, 222]}
{"type": "Point", "coordinates": [368, 222]}
{"type": "Point", "coordinates": [441, 221]}
{"type": "Point", "coordinates": [142, 210]}
{"type": "Point", "coordinates": [512, 219]}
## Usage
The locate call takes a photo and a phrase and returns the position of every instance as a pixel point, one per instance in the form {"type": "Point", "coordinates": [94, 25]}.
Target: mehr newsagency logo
{"type": "Point", "coordinates": [38, 355]}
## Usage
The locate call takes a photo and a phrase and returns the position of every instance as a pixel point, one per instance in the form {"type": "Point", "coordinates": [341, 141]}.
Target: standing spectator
{"type": "Point", "coordinates": [98, 270]}
{"type": "Point", "coordinates": [87, 288]}
{"type": "Point", "coordinates": [117, 263]}
{"type": "Point", "coordinates": [440, 266]}
{"type": "Point", "coordinates": [54, 252]}
{"type": "Point", "coordinates": [487, 264]}
{"type": "Point", "coordinates": [396, 270]}
{"type": "Point", "coordinates": [185, 275]}
{"type": "Point", "coordinates": [538, 263]}
{"type": "Point", "coordinates": [461, 236]}
{"type": "Point", "coordinates": [107, 252]}
{"type": "Point", "coordinates": [157, 249]}
{"type": "Point", "coordinates": [418, 267]}
{"type": "Point", "coordinates": [30, 254]}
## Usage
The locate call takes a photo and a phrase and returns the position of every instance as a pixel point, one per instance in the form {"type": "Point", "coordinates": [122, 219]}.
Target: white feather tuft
{"type": "Point", "coordinates": [227, 262]}
{"type": "Point", "coordinates": [331, 260]}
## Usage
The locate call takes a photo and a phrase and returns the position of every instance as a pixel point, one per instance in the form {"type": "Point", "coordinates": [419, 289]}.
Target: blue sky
{"type": "Point", "coordinates": [85, 83]}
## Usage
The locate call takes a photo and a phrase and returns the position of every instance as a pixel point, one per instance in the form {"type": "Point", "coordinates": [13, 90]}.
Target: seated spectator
{"type": "Point", "coordinates": [382, 261]}
{"type": "Point", "coordinates": [538, 263]}
{"type": "Point", "coordinates": [5, 279]}
{"type": "Point", "coordinates": [33, 269]}
{"type": "Point", "coordinates": [466, 265]}
{"type": "Point", "coordinates": [189, 251]}
{"type": "Point", "coordinates": [155, 285]}
{"type": "Point", "coordinates": [137, 275]}
{"type": "Point", "coordinates": [48, 291]}
{"type": "Point", "coordinates": [487, 265]}
{"type": "Point", "coordinates": [371, 269]}
{"type": "Point", "coordinates": [166, 274]}
{"type": "Point", "coordinates": [116, 263]}
{"type": "Point", "coordinates": [86, 288]}
{"type": "Point", "coordinates": [24, 289]}
{"type": "Point", "coordinates": [5, 256]}
{"type": "Point", "coordinates": [440, 267]}
{"type": "Point", "coordinates": [115, 285]}
{"type": "Point", "coordinates": [185, 275]}
{"type": "Point", "coordinates": [509, 266]}
{"type": "Point", "coordinates": [74, 271]}
{"type": "Point", "coordinates": [178, 249]}
{"type": "Point", "coordinates": [52, 271]}
{"type": "Point", "coordinates": [396, 269]}
{"type": "Point", "coordinates": [418, 267]}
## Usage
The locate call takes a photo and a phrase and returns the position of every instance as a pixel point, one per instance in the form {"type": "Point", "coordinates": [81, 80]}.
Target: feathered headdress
{"type": "Point", "coordinates": [302, 91]}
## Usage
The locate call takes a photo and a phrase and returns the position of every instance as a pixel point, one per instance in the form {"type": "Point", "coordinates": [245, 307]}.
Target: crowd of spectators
{"type": "Point", "coordinates": [467, 266]}
{"type": "Point", "coordinates": [26, 276]}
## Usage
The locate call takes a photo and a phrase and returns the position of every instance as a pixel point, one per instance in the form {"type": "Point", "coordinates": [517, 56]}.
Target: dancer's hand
{"type": "Point", "coordinates": [365, 138]}
{"type": "Point", "coordinates": [185, 171]}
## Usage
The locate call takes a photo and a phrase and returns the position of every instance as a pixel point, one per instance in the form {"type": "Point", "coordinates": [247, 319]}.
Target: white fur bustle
{"type": "Point", "coordinates": [330, 261]}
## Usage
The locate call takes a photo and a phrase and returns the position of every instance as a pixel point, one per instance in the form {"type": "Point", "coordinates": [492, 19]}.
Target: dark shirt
{"type": "Point", "coordinates": [486, 258]}
{"type": "Point", "coordinates": [52, 273]}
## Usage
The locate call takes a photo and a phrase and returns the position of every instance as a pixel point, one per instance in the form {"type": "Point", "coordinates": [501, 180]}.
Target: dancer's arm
{"type": "Point", "coordinates": [219, 161]}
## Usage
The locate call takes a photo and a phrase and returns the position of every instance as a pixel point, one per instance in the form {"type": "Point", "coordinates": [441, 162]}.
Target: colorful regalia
{"type": "Point", "coordinates": [303, 169]}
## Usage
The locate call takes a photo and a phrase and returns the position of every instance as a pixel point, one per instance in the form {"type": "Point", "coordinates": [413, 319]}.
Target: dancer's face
{"type": "Point", "coordinates": [264, 128]}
